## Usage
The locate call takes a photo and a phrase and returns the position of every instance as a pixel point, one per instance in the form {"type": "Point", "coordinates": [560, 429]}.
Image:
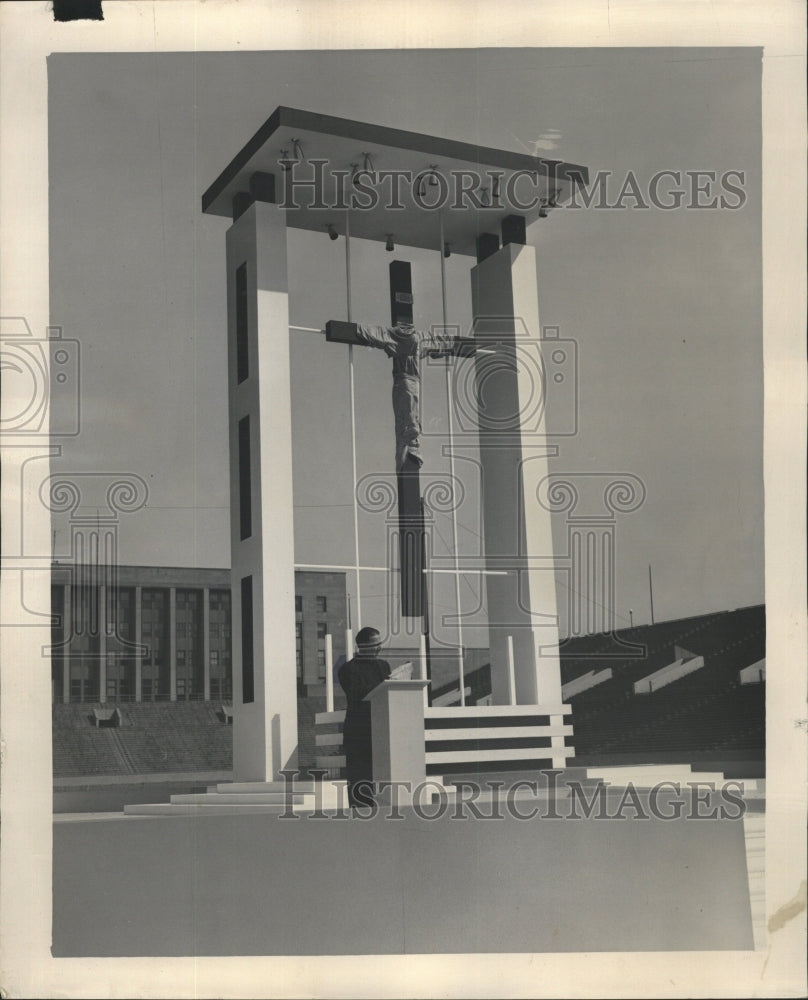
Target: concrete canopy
{"type": "Point", "coordinates": [301, 137]}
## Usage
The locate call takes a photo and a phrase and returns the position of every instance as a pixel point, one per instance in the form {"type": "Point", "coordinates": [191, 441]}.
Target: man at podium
{"type": "Point", "coordinates": [358, 677]}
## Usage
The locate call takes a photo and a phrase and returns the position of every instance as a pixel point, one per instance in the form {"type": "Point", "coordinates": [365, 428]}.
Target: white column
{"type": "Point", "coordinates": [138, 639]}
{"type": "Point", "coordinates": [265, 728]}
{"type": "Point", "coordinates": [511, 674]}
{"type": "Point", "coordinates": [67, 633]}
{"type": "Point", "coordinates": [102, 642]}
{"type": "Point", "coordinates": [513, 455]}
{"type": "Point", "coordinates": [172, 643]}
{"type": "Point", "coordinates": [206, 642]}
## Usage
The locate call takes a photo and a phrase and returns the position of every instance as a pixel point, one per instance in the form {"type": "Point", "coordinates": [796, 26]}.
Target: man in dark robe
{"type": "Point", "coordinates": [358, 677]}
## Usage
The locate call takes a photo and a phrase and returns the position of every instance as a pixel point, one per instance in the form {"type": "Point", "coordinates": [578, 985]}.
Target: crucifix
{"type": "Point", "coordinates": [520, 600]}
{"type": "Point", "coordinates": [407, 346]}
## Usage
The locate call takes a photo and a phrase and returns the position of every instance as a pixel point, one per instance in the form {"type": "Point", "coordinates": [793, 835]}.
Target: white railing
{"type": "Point", "coordinates": [471, 743]}
{"type": "Point", "coordinates": [496, 723]}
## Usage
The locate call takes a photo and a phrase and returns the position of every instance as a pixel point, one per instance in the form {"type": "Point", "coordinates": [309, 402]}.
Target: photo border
{"type": "Point", "coordinates": [29, 35]}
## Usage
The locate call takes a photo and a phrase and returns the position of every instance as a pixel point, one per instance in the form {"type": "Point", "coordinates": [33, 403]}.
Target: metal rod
{"type": "Point", "coordinates": [352, 393]}
{"type": "Point", "coordinates": [368, 569]}
{"type": "Point", "coordinates": [329, 674]}
{"type": "Point", "coordinates": [651, 592]}
{"type": "Point", "coordinates": [450, 427]}
{"type": "Point", "coordinates": [425, 602]}
{"type": "Point", "coordinates": [422, 666]}
{"type": "Point", "coordinates": [480, 572]}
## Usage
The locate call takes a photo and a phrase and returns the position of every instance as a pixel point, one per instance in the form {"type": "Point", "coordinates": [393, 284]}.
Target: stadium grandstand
{"type": "Point", "coordinates": [690, 690]}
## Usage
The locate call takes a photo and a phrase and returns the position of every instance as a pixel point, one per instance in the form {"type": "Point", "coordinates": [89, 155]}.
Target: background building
{"type": "Point", "coordinates": [159, 633]}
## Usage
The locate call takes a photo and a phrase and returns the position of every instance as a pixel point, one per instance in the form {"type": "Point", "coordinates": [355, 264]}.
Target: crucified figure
{"type": "Point", "coordinates": [406, 346]}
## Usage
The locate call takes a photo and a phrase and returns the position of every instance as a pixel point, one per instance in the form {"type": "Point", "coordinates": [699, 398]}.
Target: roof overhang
{"type": "Point", "coordinates": [469, 188]}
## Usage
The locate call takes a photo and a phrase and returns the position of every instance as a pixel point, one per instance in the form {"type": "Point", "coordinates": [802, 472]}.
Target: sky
{"type": "Point", "coordinates": [664, 306]}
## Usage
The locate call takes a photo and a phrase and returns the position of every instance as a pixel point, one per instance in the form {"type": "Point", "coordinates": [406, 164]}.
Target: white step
{"type": "Point", "coordinates": [707, 777]}
{"type": "Point", "coordinates": [235, 787]}
{"type": "Point", "coordinates": [520, 794]}
{"type": "Point", "coordinates": [323, 718]}
{"type": "Point", "coordinates": [484, 756]}
{"type": "Point", "coordinates": [495, 711]}
{"type": "Point", "coordinates": [241, 798]}
{"type": "Point", "coordinates": [328, 739]}
{"type": "Point", "coordinates": [498, 732]}
{"type": "Point", "coordinates": [332, 795]}
{"type": "Point", "coordinates": [641, 774]}
{"type": "Point", "coordinates": [648, 775]}
{"type": "Point", "coordinates": [200, 809]}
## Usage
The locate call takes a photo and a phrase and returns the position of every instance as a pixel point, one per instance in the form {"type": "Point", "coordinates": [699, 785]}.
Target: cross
{"type": "Point", "coordinates": [406, 346]}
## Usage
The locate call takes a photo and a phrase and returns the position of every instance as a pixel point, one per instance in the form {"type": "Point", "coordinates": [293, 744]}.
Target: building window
{"type": "Point", "coordinates": [299, 648]}
{"type": "Point", "coordinates": [322, 631]}
{"type": "Point", "coordinates": [180, 657]}
{"type": "Point", "coordinates": [221, 688]}
{"type": "Point", "coordinates": [180, 687]}
{"type": "Point", "coordinates": [298, 604]}
{"type": "Point", "coordinates": [322, 605]}
{"type": "Point", "coordinates": [219, 637]}
{"type": "Point", "coordinates": [154, 627]}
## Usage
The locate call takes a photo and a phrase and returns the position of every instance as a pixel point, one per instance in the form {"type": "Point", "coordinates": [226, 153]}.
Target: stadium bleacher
{"type": "Point", "coordinates": [705, 711]}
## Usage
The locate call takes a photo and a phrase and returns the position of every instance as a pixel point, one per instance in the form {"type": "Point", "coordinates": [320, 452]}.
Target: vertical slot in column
{"type": "Point", "coordinates": [247, 652]}
{"type": "Point", "coordinates": [244, 478]}
{"type": "Point", "coordinates": [242, 343]}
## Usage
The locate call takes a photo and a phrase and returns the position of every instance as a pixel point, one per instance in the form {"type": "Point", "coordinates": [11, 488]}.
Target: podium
{"type": "Point", "coordinates": [397, 722]}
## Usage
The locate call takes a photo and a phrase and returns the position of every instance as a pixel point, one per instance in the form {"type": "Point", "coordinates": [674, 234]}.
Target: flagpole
{"type": "Point", "coordinates": [352, 393]}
